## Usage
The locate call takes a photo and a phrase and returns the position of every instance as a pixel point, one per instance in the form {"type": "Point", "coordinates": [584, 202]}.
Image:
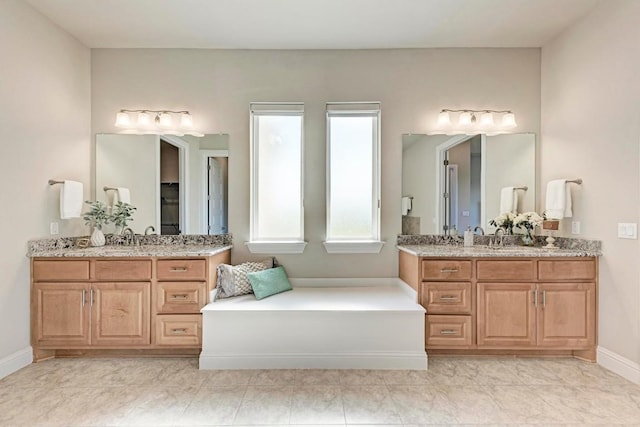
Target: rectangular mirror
{"type": "Point", "coordinates": [454, 181]}
{"type": "Point", "coordinates": [177, 183]}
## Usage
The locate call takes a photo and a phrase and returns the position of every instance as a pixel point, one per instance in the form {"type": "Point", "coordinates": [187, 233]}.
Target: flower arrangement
{"type": "Point", "coordinates": [97, 217]}
{"type": "Point", "coordinates": [528, 221]}
{"type": "Point", "coordinates": [504, 221]}
{"type": "Point", "coordinates": [122, 213]}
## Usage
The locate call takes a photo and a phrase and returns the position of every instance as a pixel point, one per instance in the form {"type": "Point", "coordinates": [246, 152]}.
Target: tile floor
{"type": "Point", "coordinates": [173, 392]}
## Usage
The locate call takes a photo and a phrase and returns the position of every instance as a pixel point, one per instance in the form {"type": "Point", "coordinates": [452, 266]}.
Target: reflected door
{"type": "Point", "coordinates": [217, 196]}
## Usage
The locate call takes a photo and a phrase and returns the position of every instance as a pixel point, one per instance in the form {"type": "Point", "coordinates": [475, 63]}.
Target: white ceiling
{"type": "Point", "coordinates": [313, 24]}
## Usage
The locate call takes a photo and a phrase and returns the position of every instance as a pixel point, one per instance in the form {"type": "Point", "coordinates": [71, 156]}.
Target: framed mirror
{"type": "Point", "coordinates": [450, 182]}
{"type": "Point", "coordinates": [178, 184]}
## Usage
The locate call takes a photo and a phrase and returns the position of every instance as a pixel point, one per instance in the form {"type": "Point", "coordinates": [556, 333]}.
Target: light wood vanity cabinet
{"type": "Point", "coordinates": [506, 305]}
{"type": "Point", "coordinates": [135, 305]}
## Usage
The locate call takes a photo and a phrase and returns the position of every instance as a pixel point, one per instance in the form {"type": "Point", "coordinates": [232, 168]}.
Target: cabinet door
{"type": "Point", "coordinates": [61, 314]}
{"type": "Point", "coordinates": [567, 315]}
{"type": "Point", "coordinates": [120, 314]}
{"type": "Point", "coordinates": [506, 315]}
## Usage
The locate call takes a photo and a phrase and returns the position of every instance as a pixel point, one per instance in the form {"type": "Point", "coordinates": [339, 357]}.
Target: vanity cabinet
{"type": "Point", "coordinates": [508, 305]}
{"type": "Point", "coordinates": [145, 305]}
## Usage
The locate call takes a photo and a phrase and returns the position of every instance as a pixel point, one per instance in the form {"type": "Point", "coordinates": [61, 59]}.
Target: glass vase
{"type": "Point", "coordinates": [527, 238]}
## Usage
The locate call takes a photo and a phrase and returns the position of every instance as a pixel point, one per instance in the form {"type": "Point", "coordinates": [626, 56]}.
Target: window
{"type": "Point", "coordinates": [277, 217]}
{"type": "Point", "coordinates": [353, 178]}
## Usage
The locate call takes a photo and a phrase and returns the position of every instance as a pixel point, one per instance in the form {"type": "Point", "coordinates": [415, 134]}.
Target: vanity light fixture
{"type": "Point", "coordinates": [476, 121]}
{"type": "Point", "coordinates": [156, 122]}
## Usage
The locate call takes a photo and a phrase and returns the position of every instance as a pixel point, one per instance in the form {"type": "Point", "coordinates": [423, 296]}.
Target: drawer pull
{"type": "Point", "coordinates": [448, 332]}
{"type": "Point", "coordinates": [179, 331]}
{"type": "Point", "coordinates": [178, 269]}
{"type": "Point", "coordinates": [179, 297]}
{"type": "Point", "coordinates": [449, 298]}
{"type": "Point", "coordinates": [449, 270]}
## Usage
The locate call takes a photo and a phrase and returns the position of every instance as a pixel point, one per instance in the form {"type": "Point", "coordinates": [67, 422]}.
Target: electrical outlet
{"type": "Point", "coordinates": [575, 227]}
{"type": "Point", "coordinates": [465, 213]}
{"type": "Point", "coordinates": [53, 228]}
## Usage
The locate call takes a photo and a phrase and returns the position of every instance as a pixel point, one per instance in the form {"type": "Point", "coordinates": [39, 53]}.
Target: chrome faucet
{"type": "Point", "coordinates": [128, 234]}
{"type": "Point", "coordinates": [499, 233]}
{"type": "Point", "coordinates": [479, 228]}
{"type": "Point", "coordinates": [150, 229]}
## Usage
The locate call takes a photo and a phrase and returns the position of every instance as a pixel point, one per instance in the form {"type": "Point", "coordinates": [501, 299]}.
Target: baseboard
{"type": "Point", "coordinates": [315, 282]}
{"type": "Point", "coordinates": [413, 361]}
{"type": "Point", "coordinates": [619, 364]}
{"type": "Point", "coordinates": [16, 361]}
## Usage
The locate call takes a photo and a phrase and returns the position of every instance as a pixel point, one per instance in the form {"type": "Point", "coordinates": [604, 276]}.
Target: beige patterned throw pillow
{"type": "Point", "coordinates": [232, 280]}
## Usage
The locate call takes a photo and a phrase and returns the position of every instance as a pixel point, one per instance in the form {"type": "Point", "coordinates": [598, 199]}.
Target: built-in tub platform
{"type": "Point", "coordinates": [364, 327]}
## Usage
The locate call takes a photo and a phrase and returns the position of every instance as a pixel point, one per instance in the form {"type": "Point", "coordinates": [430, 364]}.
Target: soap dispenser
{"type": "Point", "coordinates": [468, 237]}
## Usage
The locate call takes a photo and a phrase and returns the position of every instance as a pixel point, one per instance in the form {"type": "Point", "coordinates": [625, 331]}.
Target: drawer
{"type": "Point", "coordinates": [181, 269]}
{"type": "Point", "coordinates": [448, 331]}
{"type": "Point", "coordinates": [446, 297]}
{"type": "Point", "coordinates": [60, 270]}
{"type": "Point", "coordinates": [123, 269]}
{"type": "Point", "coordinates": [446, 269]}
{"type": "Point", "coordinates": [179, 330]}
{"type": "Point", "coordinates": [180, 297]}
{"type": "Point", "coordinates": [513, 270]}
{"type": "Point", "coordinates": [566, 270]}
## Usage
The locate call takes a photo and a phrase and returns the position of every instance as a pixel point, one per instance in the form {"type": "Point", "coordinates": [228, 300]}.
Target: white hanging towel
{"type": "Point", "coordinates": [558, 200]}
{"type": "Point", "coordinates": [406, 205]}
{"type": "Point", "coordinates": [123, 195]}
{"type": "Point", "coordinates": [71, 199]}
{"type": "Point", "coordinates": [508, 200]}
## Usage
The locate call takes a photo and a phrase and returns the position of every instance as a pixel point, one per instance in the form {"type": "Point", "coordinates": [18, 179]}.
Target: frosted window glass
{"type": "Point", "coordinates": [279, 177]}
{"type": "Point", "coordinates": [352, 201]}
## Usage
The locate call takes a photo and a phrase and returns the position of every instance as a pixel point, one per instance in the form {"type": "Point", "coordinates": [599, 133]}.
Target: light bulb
{"type": "Point", "coordinates": [186, 121]}
{"type": "Point", "coordinates": [123, 120]}
{"type": "Point", "coordinates": [465, 119]}
{"type": "Point", "coordinates": [509, 120]}
{"type": "Point", "coordinates": [444, 119]}
{"type": "Point", "coordinates": [165, 120]}
{"type": "Point", "coordinates": [144, 119]}
{"type": "Point", "coordinates": [486, 119]}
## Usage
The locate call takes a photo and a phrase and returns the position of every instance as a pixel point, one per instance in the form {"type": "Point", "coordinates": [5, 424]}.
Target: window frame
{"type": "Point", "coordinates": [371, 244]}
{"type": "Point", "coordinates": [282, 245]}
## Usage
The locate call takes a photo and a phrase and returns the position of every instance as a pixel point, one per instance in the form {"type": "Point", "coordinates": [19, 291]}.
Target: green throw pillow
{"type": "Point", "coordinates": [269, 282]}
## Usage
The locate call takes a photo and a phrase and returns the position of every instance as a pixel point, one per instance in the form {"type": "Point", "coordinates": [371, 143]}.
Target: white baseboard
{"type": "Point", "coordinates": [619, 364]}
{"type": "Point", "coordinates": [339, 282]}
{"type": "Point", "coordinates": [415, 361]}
{"type": "Point", "coordinates": [16, 361]}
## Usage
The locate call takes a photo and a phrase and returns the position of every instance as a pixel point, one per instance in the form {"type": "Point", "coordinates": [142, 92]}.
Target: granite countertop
{"type": "Point", "coordinates": [486, 251]}
{"type": "Point", "coordinates": [151, 246]}
{"type": "Point", "coordinates": [132, 251]}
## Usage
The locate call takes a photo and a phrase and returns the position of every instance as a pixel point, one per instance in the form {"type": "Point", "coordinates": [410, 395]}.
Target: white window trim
{"type": "Point", "coordinates": [284, 245]}
{"type": "Point", "coordinates": [372, 244]}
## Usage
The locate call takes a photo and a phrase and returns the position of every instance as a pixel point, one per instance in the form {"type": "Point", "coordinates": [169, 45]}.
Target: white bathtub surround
{"type": "Point", "coordinates": [15, 361]}
{"type": "Point", "coordinates": [349, 327]}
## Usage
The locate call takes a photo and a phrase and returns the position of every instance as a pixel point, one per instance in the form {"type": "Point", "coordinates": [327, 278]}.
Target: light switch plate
{"type": "Point", "coordinates": [53, 228]}
{"type": "Point", "coordinates": [465, 213]}
{"type": "Point", "coordinates": [575, 227]}
{"type": "Point", "coordinates": [627, 230]}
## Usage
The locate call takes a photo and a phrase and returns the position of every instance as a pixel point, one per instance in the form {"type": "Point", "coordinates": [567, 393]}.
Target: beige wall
{"type": "Point", "coordinates": [45, 133]}
{"type": "Point", "coordinates": [591, 130]}
{"type": "Point", "coordinates": [412, 85]}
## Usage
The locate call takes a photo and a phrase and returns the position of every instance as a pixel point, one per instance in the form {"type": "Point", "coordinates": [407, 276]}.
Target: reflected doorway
{"type": "Point", "coordinates": [217, 195]}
